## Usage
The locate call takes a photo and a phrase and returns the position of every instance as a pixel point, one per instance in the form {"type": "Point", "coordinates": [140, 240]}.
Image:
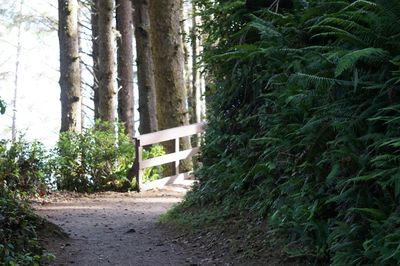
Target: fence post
{"type": "Point", "coordinates": [138, 160]}
{"type": "Point", "coordinates": [176, 151]}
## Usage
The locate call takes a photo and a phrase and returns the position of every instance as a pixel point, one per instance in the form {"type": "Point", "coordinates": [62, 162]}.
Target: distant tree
{"type": "Point", "coordinates": [69, 66]}
{"type": "Point", "coordinates": [168, 59]}
{"type": "Point", "coordinates": [146, 83]}
{"type": "Point", "coordinates": [106, 60]}
{"type": "Point", "coordinates": [95, 56]}
{"type": "Point", "coordinates": [195, 90]}
{"type": "Point", "coordinates": [16, 75]}
{"type": "Point", "coordinates": [125, 65]}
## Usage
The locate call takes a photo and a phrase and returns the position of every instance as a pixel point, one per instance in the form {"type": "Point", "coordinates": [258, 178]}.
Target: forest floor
{"type": "Point", "coordinates": [123, 229]}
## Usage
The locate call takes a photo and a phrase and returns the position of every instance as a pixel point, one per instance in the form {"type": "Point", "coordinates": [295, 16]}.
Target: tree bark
{"type": "Point", "coordinates": [195, 71]}
{"type": "Point", "coordinates": [95, 56]}
{"type": "Point", "coordinates": [125, 65]}
{"type": "Point", "coordinates": [70, 79]}
{"type": "Point", "coordinates": [168, 64]}
{"type": "Point", "coordinates": [146, 83]}
{"type": "Point", "coordinates": [186, 57]}
{"type": "Point", "coordinates": [106, 61]}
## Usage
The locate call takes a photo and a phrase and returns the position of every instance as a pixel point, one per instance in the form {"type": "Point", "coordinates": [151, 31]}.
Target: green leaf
{"type": "Point", "coordinates": [335, 171]}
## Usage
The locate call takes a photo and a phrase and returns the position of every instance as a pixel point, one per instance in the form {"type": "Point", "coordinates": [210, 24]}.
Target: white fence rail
{"type": "Point", "coordinates": [161, 136]}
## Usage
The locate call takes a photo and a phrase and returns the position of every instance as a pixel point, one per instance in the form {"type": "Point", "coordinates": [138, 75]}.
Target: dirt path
{"type": "Point", "coordinates": [115, 229]}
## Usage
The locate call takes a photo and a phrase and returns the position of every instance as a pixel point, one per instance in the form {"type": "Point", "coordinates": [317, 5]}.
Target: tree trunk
{"type": "Point", "coordinates": [168, 64]}
{"type": "Point", "coordinates": [195, 87]}
{"type": "Point", "coordinates": [186, 57]}
{"type": "Point", "coordinates": [16, 77]}
{"type": "Point", "coordinates": [125, 65]}
{"type": "Point", "coordinates": [195, 69]}
{"type": "Point", "coordinates": [70, 80]}
{"type": "Point", "coordinates": [146, 84]}
{"type": "Point", "coordinates": [95, 56]}
{"type": "Point", "coordinates": [106, 60]}
{"type": "Point", "coordinates": [81, 63]}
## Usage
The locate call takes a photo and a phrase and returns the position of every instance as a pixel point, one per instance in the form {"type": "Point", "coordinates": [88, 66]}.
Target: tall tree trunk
{"type": "Point", "coordinates": [186, 57]}
{"type": "Point", "coordinates": [16, 77]}
{"type": "Point", "coordinates": [146, 83]}
{"type": "Point", "coordinates": [106, 60]}
{"type": "Point", "coordinates": [195, 71]}
{"type": "Point", "coordinates": [70, 80]}
{"type": "Point", "coordinates": [81, 63]}
{"type": "Point", "coordinates": [95, 56]}
{"type": "Point", "coordinates": [168, 62]}
{"type": "Point", "coordinates": [125, 65]}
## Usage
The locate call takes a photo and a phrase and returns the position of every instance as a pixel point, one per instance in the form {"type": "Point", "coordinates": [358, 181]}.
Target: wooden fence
{"type": "Point", "coordinates": [161, 136]}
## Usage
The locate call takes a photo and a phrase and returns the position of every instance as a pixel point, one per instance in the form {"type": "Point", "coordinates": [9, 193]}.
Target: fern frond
{"type": "Point", "coordinates": [338, 33]}
{"type": "Point", "coordinates": [349, 60]}
{"type": "Point", "coordinates": [350, 25]}
{"type": "Point", "coordinates": [318, 81]}
{"type": "Point", "coordinates": [364, 4]}
{"type": "Point", "coordinates": [267, 29]}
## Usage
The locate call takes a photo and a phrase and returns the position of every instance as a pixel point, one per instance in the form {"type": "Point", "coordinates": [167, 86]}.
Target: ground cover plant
{"type": "Point", "coordinates": [303, 107]}
{"type": "Point", "coordinates": [19, 244]}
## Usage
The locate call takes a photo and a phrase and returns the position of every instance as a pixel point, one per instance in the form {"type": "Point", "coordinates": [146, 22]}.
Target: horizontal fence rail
{"type": "Point", "coordinates": [161, 136]}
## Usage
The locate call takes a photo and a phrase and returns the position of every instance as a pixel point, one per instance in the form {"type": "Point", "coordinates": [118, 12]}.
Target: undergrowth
{"type": "Point", "coordinates": [19, 244]}
{"type": "Point", "coordinates": [98, 160]}
{"type": "Point", "coordinates": [303, 128]}
{"type": "Point", "coordinates": [184, 217]}
{"type": "Point", "coordinates": [95, 160]}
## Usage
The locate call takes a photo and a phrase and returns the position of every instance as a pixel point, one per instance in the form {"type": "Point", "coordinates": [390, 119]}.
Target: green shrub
{"type": "Point", "coordinates": [24, 166]}
{"type": "Point", "coordinates": [24, 169]}
{"type": "Point", "coordinates": [95, 160]}
{"type": "Point", "coordinates": [18, 240]}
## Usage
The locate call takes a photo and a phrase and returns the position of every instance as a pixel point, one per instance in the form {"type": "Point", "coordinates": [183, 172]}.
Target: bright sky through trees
{"type": "Point", "coordinates": [38, 113]}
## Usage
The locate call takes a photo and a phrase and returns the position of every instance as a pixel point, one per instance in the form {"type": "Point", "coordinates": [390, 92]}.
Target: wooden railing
{"type": "Point", "coordinates": [161, 136]}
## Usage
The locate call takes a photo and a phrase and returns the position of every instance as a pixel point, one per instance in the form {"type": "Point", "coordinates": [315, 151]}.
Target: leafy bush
{"type": "Point", "coordinates": [95, 160]}
{"type": "Point", "coordinates": [24, 169]}
{"type": "Point", "coordinates": [24, 166]}
{"type": "Point", "coordinates": [303, 109]}
{"type": "Point", "coordinates": [18, 239]}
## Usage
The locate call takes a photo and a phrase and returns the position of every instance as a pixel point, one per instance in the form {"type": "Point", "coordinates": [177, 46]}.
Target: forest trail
{"type": "Point", "coordinates": [116, 229]}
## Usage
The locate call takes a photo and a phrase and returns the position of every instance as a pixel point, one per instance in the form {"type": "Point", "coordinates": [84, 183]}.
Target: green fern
{"type": "Point", "coordinates": [303, 118]}
{"type": "Point", "coordinates": [370, 55]}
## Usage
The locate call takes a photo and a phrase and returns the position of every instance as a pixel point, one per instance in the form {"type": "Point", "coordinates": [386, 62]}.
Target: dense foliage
{"type": "Point", "coordinates": [303, 123]}
{"type": "Point", "coordinates": [94, 160]}
{"type": "Point", "coordinates": [24, 166]}
{"type": "Point", "coordinates": [19, 162]}
{"type": "Point", "coordinates": [18, 238]}
{"type": "Point", "coordinates": [98, 160]}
